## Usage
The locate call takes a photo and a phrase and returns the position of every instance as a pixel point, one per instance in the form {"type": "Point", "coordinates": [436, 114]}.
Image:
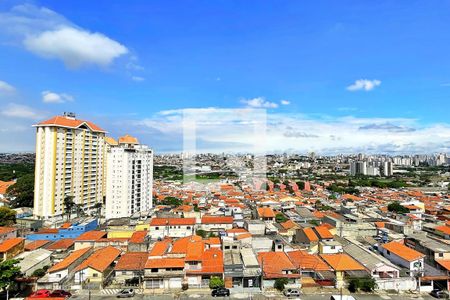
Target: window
{"type": "Point", "coordinates": [388, 252]}
{"type": "Point", "coordinates": [441, 254]}
{"type": "Point", "coordinates": [95, 275]}
{"type": "Point", "coordinates": [156, 228]}
{"type": "Point", "coordinates": [333, 247]}
{"type": "Point", "coordinates": [154, 270]}
{"type": "Point", "coordinates": [124, 272]}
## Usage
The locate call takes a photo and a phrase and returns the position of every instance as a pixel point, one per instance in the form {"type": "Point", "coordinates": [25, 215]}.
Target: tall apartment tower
{"type": "Point", "coordinates": [69, 162]}
{"type": "Point", "coordinates": [129, 178]}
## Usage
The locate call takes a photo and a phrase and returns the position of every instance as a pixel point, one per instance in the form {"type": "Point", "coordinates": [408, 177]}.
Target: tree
{"type": "Point", "coordinates": [367, 284]}
{"type": "Point", "coordinates": [280, 283]}
{"type": "Point", "coordinates": [98, 206]}
{"type": "Point", "coordinates": [7, 216]}
{"type": "Point", "coordinates": [22, 192]}
{"type": "Point", "coordinates": [68, 205]}
{"type": "Point", "coordinates": [172, 201]}
{"type": "Point", "coordinates": [38, 273]}
{"type": "Point", "coordinates": [280, 218]}
{"type": "Point", "coordinates": [9, 271]}
{"type": "Point", "coordinates": [397, 208]}
{"type": "Point", "coordinates": [201, 232]}
{"type": "Point", "coordinates": [216, 282]}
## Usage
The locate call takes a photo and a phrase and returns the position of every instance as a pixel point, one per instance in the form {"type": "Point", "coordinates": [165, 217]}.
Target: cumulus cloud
{"type": "Point", "coordinates": [259, 102]}
{"type": "Point", "coordinates": [52, 97]}
{"type": "Point", "coordinates": [6, 87]}
{"type": "Point", "coordinates": [47, 34]}
{"type": "Point", "coordinates": [14, 110]}
{"type": "Point", "coordinates": [285, 102]}
{"type": "Point", "coordinates": [364, 85]}
{"type": "Point", "coordinates": [75, 47]}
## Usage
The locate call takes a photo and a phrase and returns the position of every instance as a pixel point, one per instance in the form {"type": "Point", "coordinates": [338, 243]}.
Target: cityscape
{"type": "Point", "coordinates": [138, 159]}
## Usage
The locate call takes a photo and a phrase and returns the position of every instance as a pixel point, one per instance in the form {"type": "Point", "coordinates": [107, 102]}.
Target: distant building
{"type": "Point", "coordinates": [69, 162]}
{"type": "Point", "coordinates": [129, 178]}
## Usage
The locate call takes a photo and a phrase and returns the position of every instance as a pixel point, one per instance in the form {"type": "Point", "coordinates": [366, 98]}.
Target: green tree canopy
{"type": "Point", "coordinates": [280, 218]}
{"type": "Point", "coordinates": [216, 282]}
{"type": "Point", "coordinates": [69, 204]}
{"type": "Point", "coordinates": [22, 192]}
{"type": "Point", "coordinates": [173, 201]}
{"type": "Point", "coordinates": [8, 272]}
{"type": "Point", "coordinates": [280, 283]}
{"type": "Point", "coordinates": [7, 216]}
{"type": "Point", "coordinates": [398, 208]}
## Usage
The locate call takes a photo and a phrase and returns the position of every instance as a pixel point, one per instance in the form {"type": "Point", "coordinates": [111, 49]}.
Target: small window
{"type": "Point", "coordinates": [388, 252]}
{"type": "Point", "coordinates": [124, 272]}
{"type": "Point", "coordinates": [154, 270]}
{"type": "Point", "coordinates": [441, 254]}
{"type": "Point", "coordinates": [156, 228]}
{"type": "Point", "coordinates": [95, 275]}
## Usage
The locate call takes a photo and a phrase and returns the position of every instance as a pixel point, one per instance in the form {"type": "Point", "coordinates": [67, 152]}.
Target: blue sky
{"type": "Point", "coordinates": [372, 74]}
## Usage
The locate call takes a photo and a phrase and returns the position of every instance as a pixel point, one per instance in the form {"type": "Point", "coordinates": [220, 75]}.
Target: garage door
{"type": "Point", "coordinates": [175, 283]}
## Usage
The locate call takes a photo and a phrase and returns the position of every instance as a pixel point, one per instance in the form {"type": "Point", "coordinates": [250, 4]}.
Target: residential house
{"type": "Point", "coordinates": [266, 214]}
{"type": "Point", "coordinates": [11, 247]}
{"type": "Point", "coordinates": [88, 239]}
{"type": "Point", "coordinates": [216, 223]}
{"type": "Point", "coordinates": [277, 265]}
{"type": "Point", "coordinates": [98, 267]}
{"type": "Point", "coordinates": [404, 256]}
{"type": "Point", "coordinates": [138, 242]}
{"type": "Point", "coordinates": [60, 275]}
{"type": "Point", "coordinates": [31, 261]}
{"type": "Point", "coordinates": [344, 266]}
{"type": "Point", "coordinates": [7, 233]}
{"type": "Point", "coordinates": [171, 227]}
{"type": "Point", "coordinates": [130, 265]}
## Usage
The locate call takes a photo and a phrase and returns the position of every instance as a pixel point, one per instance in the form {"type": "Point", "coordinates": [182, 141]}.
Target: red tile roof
{"type": "Point", "coordinates": [92, 235]}
{"type": "Point", "coordinates": [342, 262]}
{"type": "Point", "coordinates": [274, 265]}
{"type": "Point", "coordinates": [172, 221]}
{"type": "Point", "coordinates": [159, 248]}
{"type": "Point", "coordinates": [66, 262]}
{"type": "Point", "coordinates": [100, 259]}
{"type": "Point", "coordinates": [132, 261]}
{"type": "Point", "coordinates": [5, 230]}
{"type": "Point", "coordinates": [138, 237]}
{"type": "Point", "coordinates": [403, 251]}
{"type": "Point", "coordinates": [4, 185]}
{"type": "Point", "coordinates": [444, 229]}
{"type": "Point", "coordinates": [159, 263]}
{"type": "Point", "coordinates": [36, 245]}
{"type": "Point", "coordinates": [217, 220]}
{"type": "Point", "coordinates": [62, 244]}
{"type": "Point", "coordinates": [266, 212]}
{"type": "Point", "coordinates": [62, 121]}
{"type": "Point", "coordinates": [10, 243]}
{"type": "Point", "coordinates": [304, 260]}
{"type": "Point", "coordinates": [323, 232]}
{"type": "Point", "coordinates": [310, 234]}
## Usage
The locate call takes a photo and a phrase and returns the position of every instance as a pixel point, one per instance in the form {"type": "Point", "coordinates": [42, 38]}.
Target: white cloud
{"type": "Point", "coordinates": [137, 78]}
{"type": "Point", "coordinates": [364, 85]}
{"type": "Point", "coordinates": [14, 110]}
{"type": "Point", "coordinates": [52, 97]}
{"type": "Point", "coordinates": [6, 87]}
{"type": "Point", "coordinates": [259, 102]}
{"type": "Point", "coordinates": [47, 34]}
{"type": "Point", "coordinates": [285, 102]}
{"type": "Point", "coordinates": [75, 47]}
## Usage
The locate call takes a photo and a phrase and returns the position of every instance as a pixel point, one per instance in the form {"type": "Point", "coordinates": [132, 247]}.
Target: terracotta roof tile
{"type": "Point", "coordinates": [274, 265]}
{"type": "Point", "coordinates": [132, 261]}
{"type": "Point", "coordinates": [304, 260]}
{"type": "Point", "coordinates": [66, 262]}
{"type": "Point", "coordinates": [157, 263]}
{"type": "Point", "coordinates": [36, 244]}
{"type": "Point", "coordinates": [92, 235]}
{"type": "Point", "coordinates": [342, 262]}
{"type": "Point", "coordinates": [217, 220]}
{"type": "Point", "coordinates": [10, 243]}
{"type": "Point", "coordinates": [138, 237]}
{"type": "Point", "coordinates": [172, 221]}
{"type": "Point", "coordinates": [403, 251]}
{"type": "Point", "coordinates": [69, 123]}
{"type": "Point", "coordinates": [100, 259]}
{"type": "Point", "coordinates": [62, 244]}
{"type": "Point", "coordinates": [310, 234]}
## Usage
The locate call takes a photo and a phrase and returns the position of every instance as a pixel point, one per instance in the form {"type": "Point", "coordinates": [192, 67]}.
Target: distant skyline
{"type": "Point", "coordinates": [333, 76]}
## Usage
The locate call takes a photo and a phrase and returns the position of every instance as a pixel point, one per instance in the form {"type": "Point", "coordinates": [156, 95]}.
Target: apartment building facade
{"type": "Point", "coordinates": [69, 162]}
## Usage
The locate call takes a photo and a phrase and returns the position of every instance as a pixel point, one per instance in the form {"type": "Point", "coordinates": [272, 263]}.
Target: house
{"type": "Point", "coordinates": [62, 246]}
{"type": "Point", "coordinates": [252, 270]}
{"type": "Point", "coordinates": [171, 227]}
{"type": "Point", "coordinates": [404, 256]}
{"type": "Point", "coordinates": [202, 264]}
{"type": "Point", "coordinates": [330, 247]}
{"type": "Point", "coordinates": [36, 245]}
{"type": "Point", "coordinates": [30, 261]}
{"type": "Point", "coordinates": [289, 229]}
{"type": "Point", "coordinates": [7, 233]}
{"type": "Point", "coordinates": [129, 266]}
{"type": "Point", "coordinates": [72, 231]}
{"type": "Point", "coordinates": [60, 274]}
{"type": "Point", "coordinates": [88, 239]}
{"type": "Point", "coordinates": [232, 263]}
{"type": "Point", "coordinates": [164, 273]}
{"type": "Point", "coordinates": [216, 223]}
{"type": "Point", "coordinates": [11, 247]}
{"type": "Point", "coordinates": [344, 266]}
{"type": "Point", "coordinates": [138, 242]}
{"type": "Point", "coordinates": [266, 214]}
{"type": "Point", "coordinates": [255, 227]}
{"type": "Point", "coordinates": [277, 265]}
{"type": "Point", "coordinates": [309, 265]}
{"type": "Point", "coordinates": [433, 249]}
{"type": "Point", "coordinates": [308, 238]}
{"type": "Point", "coordinates": [98, 267]}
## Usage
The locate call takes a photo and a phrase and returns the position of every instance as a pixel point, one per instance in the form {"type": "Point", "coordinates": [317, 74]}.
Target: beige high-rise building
{"type": "Point", "coordinates": [70, 158]}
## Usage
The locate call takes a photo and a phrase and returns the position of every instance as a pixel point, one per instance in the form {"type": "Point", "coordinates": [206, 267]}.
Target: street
{"type": "Point", "coordinates": [259, 296]}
